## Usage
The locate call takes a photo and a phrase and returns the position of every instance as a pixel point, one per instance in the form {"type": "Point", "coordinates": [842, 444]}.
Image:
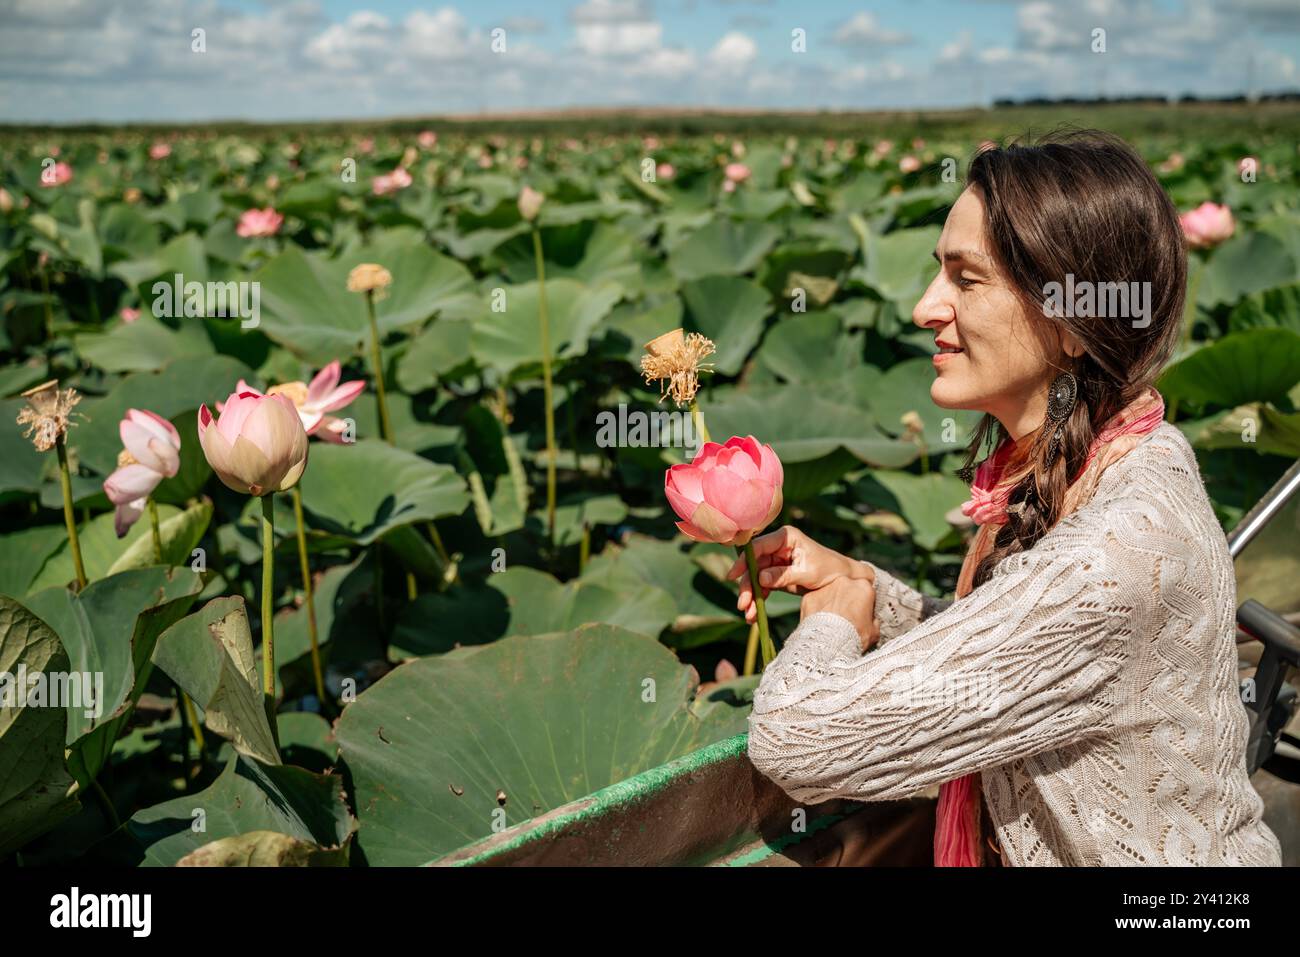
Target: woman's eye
{"type": "Point", "coordinates": [965, 283]}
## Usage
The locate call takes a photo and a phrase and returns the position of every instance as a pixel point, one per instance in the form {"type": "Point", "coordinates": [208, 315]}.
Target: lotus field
{"type": "Point", "coordinates": [349, 514]}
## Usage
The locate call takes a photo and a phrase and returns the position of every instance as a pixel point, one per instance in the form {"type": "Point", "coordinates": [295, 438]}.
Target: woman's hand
{"type": "Point", "coordinates": [854, 599]}
{"type": "Point", "coordinates": [788, 560]}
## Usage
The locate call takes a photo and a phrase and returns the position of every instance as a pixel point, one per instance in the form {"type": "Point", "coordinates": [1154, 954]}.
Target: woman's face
{"type": "Point", "coordinates": [1009, 352]}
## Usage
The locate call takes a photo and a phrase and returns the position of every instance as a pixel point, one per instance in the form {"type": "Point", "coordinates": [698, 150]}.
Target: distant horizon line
{"type": "Point", "coordinates": [669, 112]}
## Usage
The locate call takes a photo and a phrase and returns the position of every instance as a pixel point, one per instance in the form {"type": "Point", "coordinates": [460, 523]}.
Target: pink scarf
{"type": "Point", "coordinates": [957, 831]}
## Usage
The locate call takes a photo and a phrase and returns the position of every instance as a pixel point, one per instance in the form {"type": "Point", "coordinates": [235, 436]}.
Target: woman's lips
{"type": "Point", "coordinates": [942, 357]}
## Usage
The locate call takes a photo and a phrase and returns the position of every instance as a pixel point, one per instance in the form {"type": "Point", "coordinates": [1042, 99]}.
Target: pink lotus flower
{"type": "Point", "coordinates": [737, 172]}
{"type": "Point", "coordinates": [391, 182]}
{"type": "Point", "coordinates": [366, 145]}
{"type": "Point", "coordinates": [259, 222]}
{"type": "Point", "coordinates": [728, 493]}
{"type": "Point", "coordinates": [909, 164]}
{"type": "Point", "coordinates": [6, 201]}
{"type": "Point", "coordinates": [665, 171]}
{"type": "Point", "coordinates": [56, 175]}
{"type": "Point", "coordinates": [1247, 164]}
{"type": "Point", "coordinates": [313, 401]}
{"type": "Point", "coordinates": [484, 161]}
{"type": "Point", "coordinates": [129, 314]}
{"type": "Point", "coordinates": [882, 148]}
{"type": "Point", "coordinates": [152, 453]}
{"type": "Point", "coordinates": [160, 151]}
{"type": "Point", "coordinates": [427, 139]}
{"type": "Point", "coordinates": [1207, 225]}
{"type": "Point", "coordinates": [257, 445]}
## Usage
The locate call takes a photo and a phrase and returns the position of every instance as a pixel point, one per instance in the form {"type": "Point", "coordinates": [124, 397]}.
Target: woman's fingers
{"type": "Point", "coordinates": [767, 549]}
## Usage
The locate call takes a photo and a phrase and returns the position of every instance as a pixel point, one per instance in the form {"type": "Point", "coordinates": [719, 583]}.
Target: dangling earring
{"type": "Point", "coordinates": [1061, 395]}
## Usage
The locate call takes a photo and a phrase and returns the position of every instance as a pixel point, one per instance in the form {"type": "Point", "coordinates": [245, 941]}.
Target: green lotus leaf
{"type": "Point", "coordinates": [1247, 366]}
{"type": "Point", "coordinates": [209, 654]}
{"type": "Point", "coordinates": [723, 247]}
{"type": "Point", "coordinates": [342, 496]}
{"type": "Point", "coordinates": [445, 750]}
{"type": "Point", "coordinates": [109, 629]}
{"type": "Point", "coordinates": [307, 307]}
{"type": "Point", "coordinates": [247, 798]}
{"type": "Point", "coordinates": [36, 791]}
{"type": "Point", "coordinates": [525, 601]}
{"type": "Point", "coordinates": [730, 311]}
{"type": "Point", "coordinates": [506, 339]}
{"type": "Point", "coordinates": [1247, 263]}
{"type": "Point", "coordinates": [143, 345]}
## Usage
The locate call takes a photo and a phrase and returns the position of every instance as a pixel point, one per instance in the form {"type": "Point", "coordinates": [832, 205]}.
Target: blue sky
{"type": "Point", "coordinates": [115, 60]}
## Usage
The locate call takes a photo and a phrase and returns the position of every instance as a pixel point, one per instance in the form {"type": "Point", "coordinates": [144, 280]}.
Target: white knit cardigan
{"type": "Point", "coordinates": [1091, 681]}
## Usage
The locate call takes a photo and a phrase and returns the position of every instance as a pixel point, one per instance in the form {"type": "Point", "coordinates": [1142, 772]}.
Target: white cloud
{"type": "Point", "coordinates": [734, 51]}
{"type": "Point", "coordinates": [864, 30]}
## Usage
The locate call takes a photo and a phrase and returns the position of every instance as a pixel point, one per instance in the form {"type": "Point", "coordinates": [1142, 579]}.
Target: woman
{"type": "Point", "coordinates": [1078, 703]}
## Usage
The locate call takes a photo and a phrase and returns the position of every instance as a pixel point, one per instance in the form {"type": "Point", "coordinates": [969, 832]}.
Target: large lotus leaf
{"type": "Point", "coordinates": [1247, 366]}
{"type": "Point", "coordinates": [22, 468]}
{"type": "Point", "coordinates": [125, 231]}
{"type": "Point", "coordinates": [412, 420]}
{"type": "Point", "coordinates": [23, 553]}
{"type": "Point", "coordinates": [506, 339]}
{"type": "Point", "coordinates": [810, 348]}
{"type": "Point", "coordinates": [631, 325]}
{"type": "Point", "coordinates": [730, 311]}
{"type": "Point", "coordinates": [905, 388]}
{"type": "Point", "coordinates": [109, 630]}
{"type": "Point", "coordinates": [1273, 308]}
{"type": "Point", "coordinates": [307, 307]}
{"type": "Point", "coordinates": [813, 269]}
{"type": "Point", "coordinates": [103, 553]}
{"type": "Point", "coordinates": [574, 512]}
{"type": "Point", "coordinates": [642, 561]}
{"type": "Point", "coordinates": [1255, 426]}
{"type": "Point", "coordinates": [899, 265]}
{"type": "Point", "coordinates": [607, 252]}
{"type": "Point", "coordinates": [36, 791]}
{"type": "Point", "coordinates": [342, 493]}
{"type": "Point", "coordinates": [545, 719]}
{"type": "Point", "coordinates": [248, 797]}
{"type": "Point", "coordinates": [1247, 263]}
{"type": "Point", "coordinates": [923, 500]}
{"type": "Point", "coordinates": [265, 849]}
{"type": "Point", "coordinates": [723, 247]}
{"type": "Point", "coordinates": [143, 345]}
{"type": "Point", "coordinates": [209, 654]}
{"type": "Point", "coordinates": [181, 386]}
{"type": "Point", "coordinates": [185, 254]}
{"type": "Point", "coordinates": [802, 427]}
{"type": "Point", "coordinates": [440, 347]}
{"type": "Point", "coordinates": [525, 601]}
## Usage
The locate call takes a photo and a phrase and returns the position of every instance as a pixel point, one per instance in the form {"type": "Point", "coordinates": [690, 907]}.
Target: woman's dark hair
{"type": "Point", "coordinates": [1079, 204]}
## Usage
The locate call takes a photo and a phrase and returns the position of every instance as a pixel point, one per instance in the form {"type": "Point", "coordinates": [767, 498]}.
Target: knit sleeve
{"type": "Point", "coordinates": [1025, 663]}
{"type": "Point", "coordinates": [900, 607]}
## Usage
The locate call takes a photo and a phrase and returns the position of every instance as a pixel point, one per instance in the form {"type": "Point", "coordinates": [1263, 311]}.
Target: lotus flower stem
{"type": "Point", "coordinates": [307, 588]}
{"type": "Point", "coordinates": [155, 531]}
{"type": "Point", "coordinates": [188, 711]}
{"type": "Point", "coordinates": [584, 550]}
{"type": "Point", "coordinates": [698, 419]}
{"type": "Point", "coordinates": [114, 821]}
{"type": "Point", "coordinates": [760, 605]}
{"type": "Point", "coordinates": [751, 649]}
{"type": "Point", "coordinates": [268, 585]}
{"type": "Point", "coordinates": [377, 360]}
{"type": "Point", "coordinates": [65, 480]}
{"type": "Point", "coordinates": [544, 325]}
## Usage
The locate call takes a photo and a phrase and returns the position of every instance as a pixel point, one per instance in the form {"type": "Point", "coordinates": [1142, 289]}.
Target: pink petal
{"type": "Point", "coordinates": [770, 470]}
{"type": "Point", "coordinates": [239, 406]}
{"type": "Point", "coordinates": [160, 427]}
{"type": "Point", "coordinates": [341, 396]}
{"type": "Point", "coordinates": [126, 515]}
{"type": "Point", "coordinates": [743, 463]}
{"type": "Point", "coordinates": [713, 524]}
{"type": "Point", "coordinates": [143, 445]}
{"type": "Point", "coordinates": [331, 429]}
{"type": "Point", "coordinates": [685, 480]}
{"type": "Point", "coordinates": [705, 456]}
{"type": "Point", "coordinates": [744, 502]}
{"type": "Point", "coordinates": [323, 383]}
{"type": "Point", "coordinates": [130, 482]}
{"type": "Point", "coordinates": [241, 387]}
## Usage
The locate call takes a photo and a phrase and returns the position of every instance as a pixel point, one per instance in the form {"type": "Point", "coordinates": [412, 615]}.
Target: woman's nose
{"type": "Point", "coordinates": [931, 310]}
